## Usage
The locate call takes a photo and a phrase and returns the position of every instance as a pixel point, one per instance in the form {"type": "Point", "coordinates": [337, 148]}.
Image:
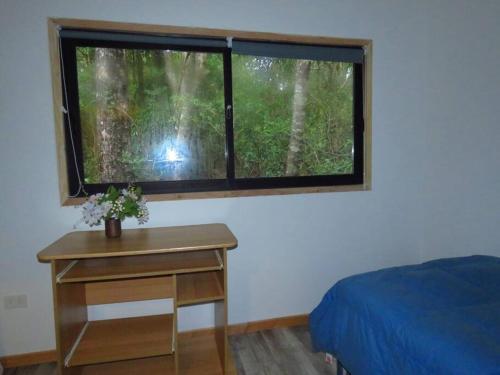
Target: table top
{"type": "Point", "coordinates": [94, 244]}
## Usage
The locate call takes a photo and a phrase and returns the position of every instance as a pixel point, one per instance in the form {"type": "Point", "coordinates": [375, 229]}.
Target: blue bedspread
{"type": "Point", "coordinates": [439, 317]}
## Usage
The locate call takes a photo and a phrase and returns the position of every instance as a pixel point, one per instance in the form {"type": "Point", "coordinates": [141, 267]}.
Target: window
{"type": "Point", "coordinates": [298, 114]}
{"type": "Point", "coordinates": [179, 114]}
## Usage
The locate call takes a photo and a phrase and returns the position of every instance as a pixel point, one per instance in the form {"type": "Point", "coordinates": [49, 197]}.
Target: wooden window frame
{"type": "Point", "coordinates": [55, 24]}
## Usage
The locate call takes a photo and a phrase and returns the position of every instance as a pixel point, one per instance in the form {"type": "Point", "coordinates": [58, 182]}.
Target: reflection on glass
{"type": "Point", "coordinates": [151, 115]}
{"type": "Point", "coordinates": [292, 117]}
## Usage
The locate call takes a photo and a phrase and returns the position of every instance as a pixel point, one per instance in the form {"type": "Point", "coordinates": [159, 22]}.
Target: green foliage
{"type": "Point", "coordinates": [263, 97]}
{"type": "Point", "coordinates": [123, 204]}
{"type": "Point", "coordinates": [115, 204]}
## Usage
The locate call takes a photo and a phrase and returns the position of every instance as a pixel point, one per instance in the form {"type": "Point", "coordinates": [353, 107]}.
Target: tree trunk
{"type": "Point", "coordinates": [190, 81]}
{"type": "Point", "coordinates": [113, 121]}
{"type": "Point", "coordinates": [189, 77]}
{"type": "Point", "coordinates": [302, 70]}
{"type": "Point", "coordinates": [139, 71]}
{"type": "Point", "coordinates": [171, 76]}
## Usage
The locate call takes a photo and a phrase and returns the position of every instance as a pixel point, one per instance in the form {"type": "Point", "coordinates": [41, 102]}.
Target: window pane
{"type": "Point", "coordinates": [292, 117]}
{"type": "Point", "coordinates": [151, 115]}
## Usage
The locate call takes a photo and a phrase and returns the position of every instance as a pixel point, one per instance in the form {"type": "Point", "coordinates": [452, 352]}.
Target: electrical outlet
{"type": "Point", "coordinates": [19, 301]}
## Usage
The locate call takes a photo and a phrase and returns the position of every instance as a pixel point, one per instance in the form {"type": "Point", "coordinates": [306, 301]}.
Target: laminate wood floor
{"type": "Point", "coordinates": [277, 351]}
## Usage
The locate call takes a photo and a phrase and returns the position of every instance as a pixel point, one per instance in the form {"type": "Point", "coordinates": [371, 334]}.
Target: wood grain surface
{"type": "Point", "coordinates": [141, 266]}
{"type": "Point", "coordinates": [94, 244]}
{"type": "Point", "coordinates": [128, 338]}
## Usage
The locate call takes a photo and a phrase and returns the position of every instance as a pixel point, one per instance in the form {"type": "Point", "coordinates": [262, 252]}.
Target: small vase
{"type": "Point", "coordinates": [113, 228]}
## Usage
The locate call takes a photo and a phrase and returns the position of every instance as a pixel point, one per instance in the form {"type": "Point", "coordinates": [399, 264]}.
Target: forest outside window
{"type": "Point", "coordinates": [180, 114]}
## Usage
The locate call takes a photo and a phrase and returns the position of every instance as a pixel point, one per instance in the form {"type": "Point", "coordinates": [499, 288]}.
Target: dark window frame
{"type": "Point", "coordinates": [72, 129]}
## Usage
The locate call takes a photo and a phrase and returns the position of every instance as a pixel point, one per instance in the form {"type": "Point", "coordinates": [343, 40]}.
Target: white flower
{"type": "Point", "coordinates": [93, 211]}
{"type": "Point", "coordinates": [143, 211]}
{"type": "Point", "coordinates": [130, 192]}
{"type": "Point", "coordinates": [99, 206]}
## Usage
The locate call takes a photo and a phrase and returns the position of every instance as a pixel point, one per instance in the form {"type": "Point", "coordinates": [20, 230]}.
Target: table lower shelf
{"type": "Point", "coordinates": [144, 366]}
{"type": "Point", "coordinates": [197, 356]}
{"type": "Point", "coordinates": [122, 339]}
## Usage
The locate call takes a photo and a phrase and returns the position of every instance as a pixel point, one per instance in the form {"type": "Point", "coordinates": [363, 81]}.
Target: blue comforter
{"type": "Point", "coordinates": [439, 317]}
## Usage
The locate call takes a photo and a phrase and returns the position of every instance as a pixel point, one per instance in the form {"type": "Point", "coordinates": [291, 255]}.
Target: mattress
{"type": "Point", "coordinates": [439, 317]}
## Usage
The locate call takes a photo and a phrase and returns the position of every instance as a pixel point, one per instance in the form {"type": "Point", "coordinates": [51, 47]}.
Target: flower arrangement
{"type": "Point", "coordinates": [115, 204]}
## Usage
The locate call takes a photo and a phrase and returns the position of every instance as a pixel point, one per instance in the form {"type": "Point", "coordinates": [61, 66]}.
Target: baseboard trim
{"type": "Point", "coordinates": [261, 325]}
{"type": "Point", "coordinates": [36, 358]}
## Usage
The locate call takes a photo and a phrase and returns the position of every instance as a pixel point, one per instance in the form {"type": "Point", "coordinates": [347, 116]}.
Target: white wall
{"type": "Point", "coordinates": [462, 136]}
{"type": "Point", "coordinates": [436, 137]}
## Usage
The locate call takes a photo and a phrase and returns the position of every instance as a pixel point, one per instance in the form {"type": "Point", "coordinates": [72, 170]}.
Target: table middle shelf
{"type": "Point", "coordinates": [199, 287]}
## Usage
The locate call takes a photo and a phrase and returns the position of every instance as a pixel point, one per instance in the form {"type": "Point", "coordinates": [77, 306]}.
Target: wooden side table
{"type": "Point", "coordinates": [187, 264]}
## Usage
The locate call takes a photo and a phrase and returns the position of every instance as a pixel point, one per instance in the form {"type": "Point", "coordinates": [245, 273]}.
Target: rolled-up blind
{"type": "Point", "coordinates": [141, 38]}
{"type": "Point", "coordinates": [299, 51]}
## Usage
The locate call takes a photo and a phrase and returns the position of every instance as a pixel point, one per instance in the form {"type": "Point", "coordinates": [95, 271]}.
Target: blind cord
{"type": "Point", "coordinates": [65, 111]}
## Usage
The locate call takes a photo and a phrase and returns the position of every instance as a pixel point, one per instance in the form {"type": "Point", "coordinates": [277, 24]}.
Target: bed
{"type": "Point", "coordinates": [439, 317]}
